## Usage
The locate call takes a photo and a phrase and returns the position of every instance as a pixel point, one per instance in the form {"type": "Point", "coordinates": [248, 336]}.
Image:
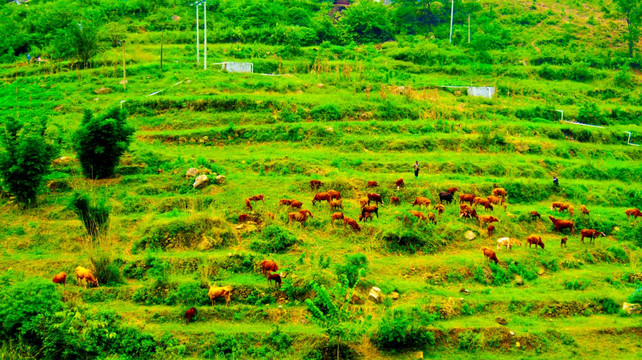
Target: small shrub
{"type": "Point", "coordinates": [101, 141]}
{"type": "Point", "coordinates": [397, 332]}
{"type": "Point", "coordinates": [94, 217]}
{"type": "Point", "coordinates": [276, 239]}
{"type": "Point", "coordinates": [636, 297]}
{"type": "Point", "coordinates": [106, 271]}
{"type": "Point", "coordinates": [469, 341]}
{"type": "Point", "coordinates": [355, 265]}
{"type": "Point", "coordinates": [326, 112]}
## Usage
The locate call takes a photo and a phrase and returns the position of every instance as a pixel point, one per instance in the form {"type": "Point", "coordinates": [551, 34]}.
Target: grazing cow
{"type": "Point", "coordinates": [468, 213]}
{"type": "Point", "coordinates": [394, 200]}
{"type": "Point", "coordinates": [591, 234]}
{"type": "Point", "coordinates": [571, 210]}
{"type": "Point", "coordinates": [496, 200]}
{"type": "Point", "coordinates": [469, 198]}
{"type": "Point", "coordinates": [276, 278]}
{"type": "Point", "coordinates": [220, 292]}
{"type": "Point", "coordinates": [563, 242]}
{"type": "Point", "coordinates": [85, 274]}
{"type": "Point", "coordinates": [189, 315]}
{"type": "Point", "coordinates": [491, 230]}
{"type": "Point", "coordinates": [563, 224]}
{"type": "Point", "coordinates": [432, 218]}
{"type": "Point", "coordinates": [635, 212]}
{"type": "Point", "coordinates": [584, 210]}
{"type": "Point", "coordinates": [445, 196]}
{"type": "Point", "coordinates": [334, 195]}
{"type": "Point", "coordinates": [561, 207]}
{"type": "Point", "coordinates": [486, 219]}
{"type": "Point", "coordinates": [418, 214]}
{"type": "Point", "coordinates": [267, 266]}
{"type": "Point", "coordinates": [399, 183]}
{"type": "Point", "coordinates": [257, 198]}
{"type": "Point", "coordinates": [296, 204]}
{"type": "Point", "coordinates": [372, 184]}
{"type": "Point", "coordinates": [440, 208]}
{"type": "Point", "coordinates": [336, 216]}
{"type": "Point", "coordinates": [422, 201]}
{"type": "Point", "coordinates": [505, 242]}
{"type": "Point", "coordinates": [285, 202]}
{"type": "Point", "coordinates": [363, 202]}
{"type": "Point", "coordinates": [365, 215]}
{"type": "Point", "coordinates": [301, 216]}
{"type": "Point", "coordinates": [464, 207]}
{"type": "Point", "coordinates": [499, 192]}
{"type": "Point", "coordinates": [453, 190]}
{"type": "Point", "coordinates": [535, 240]}
{"type": "Point", "coordinates": [318, 197]}
{"type": "Point", "coordinates": [243, 218]}
{"type": "Point", "coordinates": [335, 204]}
{"type": "Point", "coordinates": [315, 184]}
{"type": "Point", "coordinates": [60, 278]}
{"type": "Point", "coordinates": [248, 205]}
{"type": "Point", "coordinates": [353, 223]}
{"type": "Point", "coordinates": [376, 198]}
{"type": "Point", "coordinates": [371, 209]}
{"type": "Point", "coordinates": [482, 201]}
{"type": "Point", "coordinates": [535, 214]}
{"type": "Point", "coordinates": [490, 254]}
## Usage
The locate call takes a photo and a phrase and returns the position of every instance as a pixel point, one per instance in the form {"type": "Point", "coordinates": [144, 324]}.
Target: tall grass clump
{"type": "Point", "coordinates": [94, 216]}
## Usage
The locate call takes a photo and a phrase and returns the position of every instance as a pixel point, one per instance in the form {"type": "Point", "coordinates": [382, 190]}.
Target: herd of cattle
{"type": "Point", "coordinates": [370, 206]}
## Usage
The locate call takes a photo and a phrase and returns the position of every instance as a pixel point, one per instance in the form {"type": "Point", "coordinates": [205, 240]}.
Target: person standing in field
{"type": "Point", "coordinates": [416, 167]}
{"type": "Point", "coordinates": [555, 181]}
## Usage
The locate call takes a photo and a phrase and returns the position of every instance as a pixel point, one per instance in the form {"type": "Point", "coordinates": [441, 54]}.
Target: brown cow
{"type": "Point", "coordinates": [440, 208]}
{"type": "Point", "coordinates": [490, 254]}
{"type": "Point", "coordinates": [432, 218]}
{"type": "Point", "coordinates": [285, 202]}
{"type": "Point", "coordinates": [635, 212]}
{"type": "Point", "coordinates": [334, 195]}
{"type": "Point", "coordinates": [60, 278]}
{"type": "Point", "coordinates": [584, 210]}
{"type": "Point", "coordinates": [399, 183]}
{"type": "Point", "coordinates": [371, 209]}
{"type": "Point", "coordinates": [496, 200]}
{"type": "Point", "coordinates": [243, 218]}
{"type": "Point", "coordinates": [376, 198]}
{"type": "Point", "coordinates": [482, 201]}
{"type": "Point", "coordinates": [318, 197]}
{"type": "Point", "coordinates": [248, 205]}
{"type": "Point", "coordinates": [301, 216]}
{"type": "Point", "coordinates": [267, 266]}
{"type": "Point", "coordinates": [464, 207]}
{"type": "Point", "coordinates": [85, 274]}
{"type": "Point", "coordinates": [189, 314]}
{"type": "Point", "coordinates": [535, 214]}
{"type": "Point", "coordinates": [372, 184]}
{"type": "Point", "coordinates": [336, 216]}
{"type": "Point", "coordinates": [563, 224]}
{"type": "Point", "coordinates": [453, 190]}
{"type": "Point", "coordinates": [535, 240]}
{"type": "Point", "coordinates": [352, 222]}
{"type": "Point", "coordinates": [591, 234]}
{"type": "Point", "coordinates": [338, 204]}
{"type": "Point", "coordinates": [276, 278]}
{"type": "Point", "coordinates": [560, 206]}
{"type": "Point", "coordinates": [296, 204]}
{"type": "Point", "coordinates": [257, 198]}
{"type": "Point", "coordinates": [491, 230]}
{"type": "Point", "coordinates": [217, 292]}
{"type": "Point", "coordinates": [469, 198]}
{"type": "Point", "coordinates": [468, 213]}
{"type": "Point", "coordinates": [394, 200]}
{"type": "Point", "coordinates": [563, 242]}
{"type": "Point", "coordinates": [365, 216]}
{"type": "Point", "coordinates": [315, 184]}
{"type": "Point", "coordinates": [418, 214]}
{"type": "Point", "coordinates": [499, 192]}
{"type": "Point", "coordinates": [363, 202]}
{"type": "Point", "coordinates": [486, 219]}
{"type": "Point", "coordinates": [571, 210]}
{"type": "Point", "coordinates": [422, 201]}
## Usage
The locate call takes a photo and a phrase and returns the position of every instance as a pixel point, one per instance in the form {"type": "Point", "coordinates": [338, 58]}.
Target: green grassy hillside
{"type": "Point", "coordinates": [343, 113]}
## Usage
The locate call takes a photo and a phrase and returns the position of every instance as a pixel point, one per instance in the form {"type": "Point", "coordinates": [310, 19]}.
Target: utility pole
{"type": "Point", "coordinates": [198, 57]}
{"type": "Point", "coordinates": [469, 28]}
{"type": "Point", "coordinates": [452, 13]}
{"type": "Point", "coordinates": [205, 33]}
{"type": "Point", "coordinates": [162, 34]}
{"type": "Point", "coordinates": [124, 82]}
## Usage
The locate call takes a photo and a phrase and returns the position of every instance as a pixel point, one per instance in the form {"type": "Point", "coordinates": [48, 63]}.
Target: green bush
{"type": "Point", "coordinates": [276, 239]}
{"type": "Point", "coordinates": [355, 265]}
{"type": "Point", "coordinates": [101, 141]}
{"type": "Point", "coordinates": [94, 217]}
{"type": "Point", "coordinates": [106, 271]}
{"type": "Point", "coordinates": [25, 159]}
{"type": "Point", "coordinates": [636, 297]}
{"type": "Point", "coordinates": [469, 341]}
{"type": "Point", "coordinates": [325, 112]}
{"type": "Point", "coordinates": [397, 332]}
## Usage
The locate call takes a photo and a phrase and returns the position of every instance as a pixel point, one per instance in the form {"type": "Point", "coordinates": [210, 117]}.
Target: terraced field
{"type": "Point", "coordinates": [272, 134]}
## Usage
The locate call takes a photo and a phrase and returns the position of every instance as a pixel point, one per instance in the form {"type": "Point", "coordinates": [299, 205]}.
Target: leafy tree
{"type": "Point", "coordinates": [331, 311]}
{"type": "Point", "coordinates": [25, 159]}
{"type": "Point", "coordinates": [101, 141]}
{"type": "Point", "coordinates": [82, 40]}
{"type": "Point", "coordinates": [368, 22]}
{"type": "Point", "coordinates": [632, 10]}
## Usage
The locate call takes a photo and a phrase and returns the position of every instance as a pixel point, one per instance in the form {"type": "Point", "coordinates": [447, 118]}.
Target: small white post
{"type": "Point", "coordinates": [205, 33]}
{"type": "Point", "coordinates": [562, 111]}
{"type": "Point", "coordinates": [198, 57]}
{"type": "Point", "coordinates": [452, 13]}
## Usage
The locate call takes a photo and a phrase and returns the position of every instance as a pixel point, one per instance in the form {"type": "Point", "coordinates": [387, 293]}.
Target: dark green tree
{"type": "Point", "coordinates": [632, 11]}
{"type": "Point", "coordinates": [368, 22]}
{"type": "Point", "coordinates": [82, 40]}
{"type": "Point", "coordinates": [25, 159]}
{"type": "Point", "coordinates": [101, 141]}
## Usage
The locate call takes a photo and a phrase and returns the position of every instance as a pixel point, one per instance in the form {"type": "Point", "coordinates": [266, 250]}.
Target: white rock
{"type": "Point", "coordinates": [201, 182]}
